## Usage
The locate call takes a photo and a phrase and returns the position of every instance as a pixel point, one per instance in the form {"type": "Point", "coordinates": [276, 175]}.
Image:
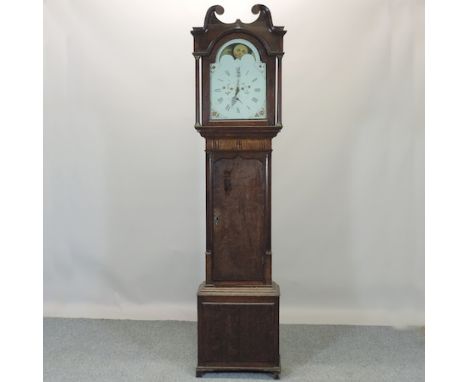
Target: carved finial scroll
{"type": "Point", "coordinates": [265, 15]}
{"type": "Point", "coordinates": [210, 17]}
{"type": "Point", "coordinates": [264, 18]}
{"type": "Point", "coordinates": [262, 28]}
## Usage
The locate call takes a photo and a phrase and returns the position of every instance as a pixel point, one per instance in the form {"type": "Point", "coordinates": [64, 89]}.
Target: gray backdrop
{"type": "Point", "coordinates": [124, 167]}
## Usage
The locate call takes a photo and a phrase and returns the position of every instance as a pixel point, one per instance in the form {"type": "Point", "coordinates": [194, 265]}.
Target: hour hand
{"type": "Point", "coordinates": [234, 99]}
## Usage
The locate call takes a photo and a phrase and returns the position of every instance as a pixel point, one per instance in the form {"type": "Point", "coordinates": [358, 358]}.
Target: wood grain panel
{"type": "Point", "coordinates": [238, 333]}
{"type": "Point", "coordinates": [238, 144]}
{"type": "Point", "coordinates": [238, 219]}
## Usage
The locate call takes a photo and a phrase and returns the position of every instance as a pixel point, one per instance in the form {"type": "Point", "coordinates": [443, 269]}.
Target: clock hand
{"type": "Point", "coordinates": [234, 99]}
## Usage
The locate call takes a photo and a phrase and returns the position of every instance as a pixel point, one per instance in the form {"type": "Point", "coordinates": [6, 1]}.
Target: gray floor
{"type": "Point", "coordinates": [122, 350]}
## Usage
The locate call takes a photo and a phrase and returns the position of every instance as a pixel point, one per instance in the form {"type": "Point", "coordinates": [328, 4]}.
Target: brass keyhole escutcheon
{"type": "Point", "coordinates": [216, 217]}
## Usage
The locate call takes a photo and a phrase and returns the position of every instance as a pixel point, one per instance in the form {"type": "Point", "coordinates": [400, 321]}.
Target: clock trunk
{"type": "Point", "coordinates": [239, 204]}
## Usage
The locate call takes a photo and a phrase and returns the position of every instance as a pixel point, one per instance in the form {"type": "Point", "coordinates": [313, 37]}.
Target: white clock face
{"type": "Point", "coordinates": [238, 83]}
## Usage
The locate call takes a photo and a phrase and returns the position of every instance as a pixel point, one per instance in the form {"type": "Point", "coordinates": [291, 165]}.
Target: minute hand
{"type": "Point", "coordinates": [234, 99]}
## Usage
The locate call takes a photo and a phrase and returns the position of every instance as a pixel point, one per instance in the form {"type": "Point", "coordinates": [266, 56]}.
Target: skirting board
{"type": "Point", "coordinates": [288, 314]}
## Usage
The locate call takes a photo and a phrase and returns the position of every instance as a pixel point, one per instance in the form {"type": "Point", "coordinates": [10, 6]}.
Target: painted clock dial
{"type": "Point", "coordinates": [237, 82]}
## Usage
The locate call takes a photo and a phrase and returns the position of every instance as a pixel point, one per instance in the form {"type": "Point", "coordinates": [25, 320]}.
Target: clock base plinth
{"type": "Point", "coordinates": [238, 329]}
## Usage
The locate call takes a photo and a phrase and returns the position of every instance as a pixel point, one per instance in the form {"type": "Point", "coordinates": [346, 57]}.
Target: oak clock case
{"type": "Point", "coordinates": [238, 112]}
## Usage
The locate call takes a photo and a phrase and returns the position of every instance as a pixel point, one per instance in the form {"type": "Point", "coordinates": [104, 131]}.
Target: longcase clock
{"type": "Point", "coordinates": [238, 112]}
